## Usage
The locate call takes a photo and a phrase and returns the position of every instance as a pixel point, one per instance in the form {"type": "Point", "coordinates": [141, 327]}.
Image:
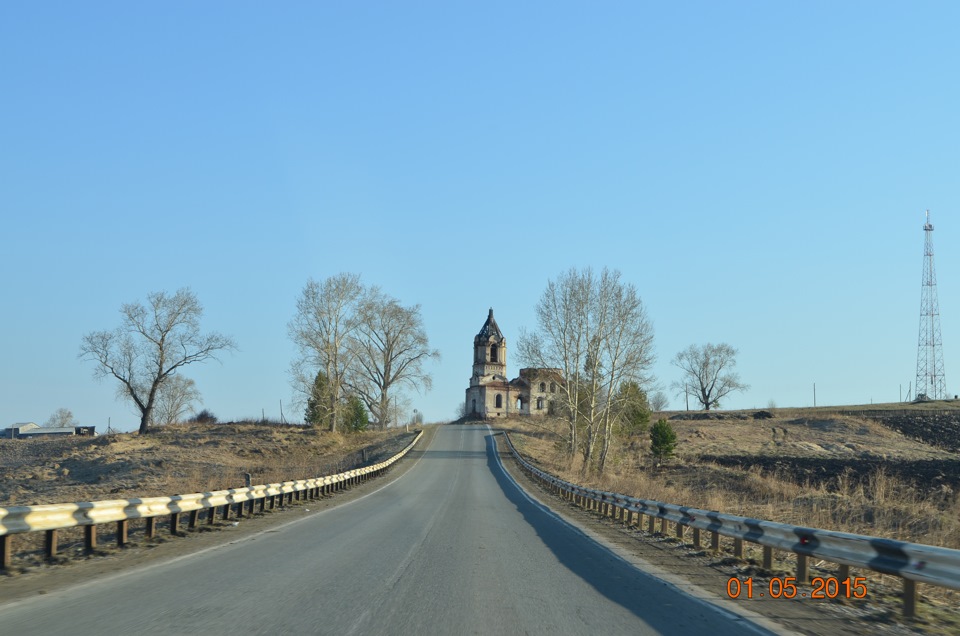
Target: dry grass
{"type": "Point", "coordinates": [177, 460]}
{"type": "Point", "coordinates": [883, 506]}
{"type": "Point", "coordinates": [172, 460]}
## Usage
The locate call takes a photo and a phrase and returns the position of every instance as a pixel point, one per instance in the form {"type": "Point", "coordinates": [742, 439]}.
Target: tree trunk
{"type": "Point", "coordinates": [147, 410]}
{"type": "Point", "coordinates": [144, 422]}
{"type": "Point", "coordinates": [605, 448]}
{"type": "Point", "coordinates": [384, 415]}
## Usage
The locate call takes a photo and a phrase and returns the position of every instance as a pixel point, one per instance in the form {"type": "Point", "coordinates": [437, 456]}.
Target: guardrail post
{"type": "Point", "coordinates": [151, 530]}
{"type": "Point", "coordinates": [174, 523]}
{"type": "Point", "coordinates": [909, 598]}
{"type": "Point", "coordinates": [629, 517]}
{"type": "Point", "coordinates": [211, 515]}
{"type": "Point", "coordinates": [122, 527]}
{"type": "Point", "coordinates": [263, 504]}
{"type": "Point", "coordinates": [194, 518]}
{"type": "Point", "coordinates": [650, 521]}
{"type": "Point", "coordinates": [715, 541]}
{"type": "Point", "coordinates": [802, 574]}
{"type": "Point", "coordinates": [767, 557]}
{"type": "Point", "coordinates": [696, 538]}
{"type": "Point", "coordinates": [50, 544]}
{"type": "Point", "coordinates": [844, 572]}
{"type": "Point", "coordinates": [6, 549]}
{"type": "Point", "coordinates": [89, 538]}
{"type": "Point", "coordinates": [226, 511]}
{"type": "Point", "coordinates": [679, 530]}
{"type": "Point", "coordinates": [738, 547]}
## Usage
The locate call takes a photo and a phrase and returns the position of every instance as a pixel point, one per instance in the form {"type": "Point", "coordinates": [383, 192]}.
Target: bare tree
{"type": "Point", "coordinates": [175, 400]}
{"type": "Point", "coordinates": [321, 329]}
{"type": "Point", "coordinates": [595, 330]}
{"type": "Point", "coordinates": [659, 401]}
{"type": "Point", "coordinates": [390, 348]}
{"type": "Point", "coordinates": [61, 418]}
{"type": "Point", "coordinates": [151, 344]}
{"type": "Point", "coordinates": [708, 373]}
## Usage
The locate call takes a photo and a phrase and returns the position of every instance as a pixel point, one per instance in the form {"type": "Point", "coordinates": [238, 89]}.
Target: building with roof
{"type": "Point", "coordinates": [492, 394]}
{"type": "Point", "coordinates": [31, 430]}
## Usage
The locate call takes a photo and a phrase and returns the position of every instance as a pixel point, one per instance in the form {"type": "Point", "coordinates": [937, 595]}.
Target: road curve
{"type": "Point", "coordinates": [452, 547]}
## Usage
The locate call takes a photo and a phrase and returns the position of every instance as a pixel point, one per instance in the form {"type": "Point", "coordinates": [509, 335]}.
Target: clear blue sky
{"type": "Point", "coordinates": [759, 170]}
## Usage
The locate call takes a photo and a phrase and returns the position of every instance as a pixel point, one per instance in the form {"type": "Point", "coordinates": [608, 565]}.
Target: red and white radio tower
{"type": "Point", "coordinates": [931, 383]}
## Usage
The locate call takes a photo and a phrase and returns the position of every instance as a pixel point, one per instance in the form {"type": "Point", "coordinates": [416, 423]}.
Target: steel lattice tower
{"type": "Point", "coordinates": [930, 379]}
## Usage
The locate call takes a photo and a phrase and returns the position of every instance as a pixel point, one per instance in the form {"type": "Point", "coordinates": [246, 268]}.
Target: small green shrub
{"type": "Point", "coordinates": [663, 440]}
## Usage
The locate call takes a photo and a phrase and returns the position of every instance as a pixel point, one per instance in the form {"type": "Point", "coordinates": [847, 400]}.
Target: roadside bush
{"type": "Point", "coordinates": [663, 440]}
{"type": "Point", "coordinates": [203, 417]}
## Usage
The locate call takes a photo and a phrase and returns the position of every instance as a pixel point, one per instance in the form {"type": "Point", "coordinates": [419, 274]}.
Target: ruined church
{"type": "Point", "coordinates": [491, 394]}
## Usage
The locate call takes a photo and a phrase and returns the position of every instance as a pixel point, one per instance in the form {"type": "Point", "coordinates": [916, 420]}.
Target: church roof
{"type": "Point", "coordinates": [490, 328]}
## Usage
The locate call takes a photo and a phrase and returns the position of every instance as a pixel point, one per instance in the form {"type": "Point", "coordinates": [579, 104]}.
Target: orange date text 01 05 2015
{"type": "Point", "coordinates": [786, 587]}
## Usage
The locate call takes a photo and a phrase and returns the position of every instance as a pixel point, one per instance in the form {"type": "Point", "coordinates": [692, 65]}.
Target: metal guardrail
{"type": "Point", "coordinates": [913, 562]}
{"type": "Point", "coordinates": [53, 517]}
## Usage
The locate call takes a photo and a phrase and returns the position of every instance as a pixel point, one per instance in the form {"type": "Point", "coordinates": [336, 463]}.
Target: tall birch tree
{"type": "Point", "coordinates": [593, 328]}
{"type": "Point", "coordinates": [322, 328]}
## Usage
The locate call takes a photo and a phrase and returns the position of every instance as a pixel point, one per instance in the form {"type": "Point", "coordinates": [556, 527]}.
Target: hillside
{"type": "Point", "coordinates": [180, 459]}
{"type": "Point", "coordinates": [852, 471]}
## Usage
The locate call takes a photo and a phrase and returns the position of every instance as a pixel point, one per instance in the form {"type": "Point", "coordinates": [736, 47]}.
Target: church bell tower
{"type": "Point", "coordinates": [489, 351]}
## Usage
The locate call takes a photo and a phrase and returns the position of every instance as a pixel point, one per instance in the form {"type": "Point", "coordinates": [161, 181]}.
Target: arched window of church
{"type": "Point", "coordinates": [543, 387]}
{"type": "Point", "coordinates": [539, 404]}
{"type": "Point", "coordinates": [499, 400]}
{"type": "Point", "coordinates": [474, 405]}
{"type": "Point", "coordinates": [494, 351]}
{"type": "Point", "coordinates": [553, 387]}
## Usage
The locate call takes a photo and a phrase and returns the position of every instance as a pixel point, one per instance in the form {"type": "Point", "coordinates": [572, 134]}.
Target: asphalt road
{"type": "Point", "coordinates": [451, 547]}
